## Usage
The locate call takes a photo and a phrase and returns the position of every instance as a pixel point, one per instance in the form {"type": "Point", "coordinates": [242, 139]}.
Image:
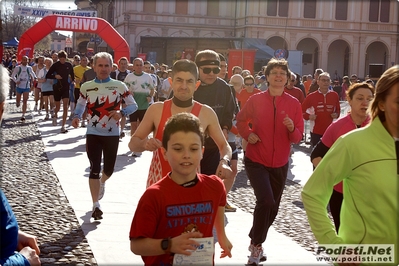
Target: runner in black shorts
{"type": "Point", "coordinates": [60, 93]}
{"type": "Point", "coordinates": [62, 71]}
{"type": "Point", "coordinates": [138, 115]}
{"type": "Point", "coordinates": [96, 146]}
{"type": "Point", "coordinates": [102, 134]}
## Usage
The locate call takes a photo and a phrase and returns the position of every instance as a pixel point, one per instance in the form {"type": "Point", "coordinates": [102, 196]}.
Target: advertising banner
{"type": "Point", "coordinates": [244, 58]}
{"type": "Point", "coordinates": [41, 12]}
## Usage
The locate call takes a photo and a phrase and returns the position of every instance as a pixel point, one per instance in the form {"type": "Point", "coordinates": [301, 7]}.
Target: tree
{"type": "Point", "coordinates": [14, 25]}
{"type": "Point", "coordinates": [44, 44]}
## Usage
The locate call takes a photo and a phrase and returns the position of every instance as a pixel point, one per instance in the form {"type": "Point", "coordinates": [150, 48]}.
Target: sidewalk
{"type": "Point", "coordinates": [109, 238]}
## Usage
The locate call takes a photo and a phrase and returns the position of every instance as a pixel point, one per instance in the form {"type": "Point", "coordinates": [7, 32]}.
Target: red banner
{"type": "Point", "coordinates": [188, 54]}
{"type": "Point", "coordinates": [142, 56]}
{"type": "Point", "coordinates": [244, 58]}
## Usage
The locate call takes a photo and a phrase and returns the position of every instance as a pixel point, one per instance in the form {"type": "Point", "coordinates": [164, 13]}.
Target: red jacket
{"type": "Point", "coordinates": [323, 106]}
{"type": "Point", "coordinates": [266, 113]}
{"type": "Point", "coordinates": [296, 92]}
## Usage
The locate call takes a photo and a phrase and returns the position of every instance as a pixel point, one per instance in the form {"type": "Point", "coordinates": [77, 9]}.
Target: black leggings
{"type": "Point", "coordinates": [335, 207]}
{"type": "Point", "coordinates": [96, 146]}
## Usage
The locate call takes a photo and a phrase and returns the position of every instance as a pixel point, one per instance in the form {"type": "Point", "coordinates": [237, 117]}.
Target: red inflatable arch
{"type": "Point", "coordinates": [76, 24]}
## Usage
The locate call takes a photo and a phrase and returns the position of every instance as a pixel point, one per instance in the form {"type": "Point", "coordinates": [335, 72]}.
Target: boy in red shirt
{"type": "Point", "coordinates": [182, 206]}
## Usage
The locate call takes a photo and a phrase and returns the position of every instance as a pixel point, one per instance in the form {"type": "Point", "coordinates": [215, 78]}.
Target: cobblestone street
{"type": "Point", "coordinates": [42, 208]}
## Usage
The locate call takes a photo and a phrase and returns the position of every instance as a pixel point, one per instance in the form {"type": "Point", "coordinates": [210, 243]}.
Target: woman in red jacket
{"type": "Point", "coordinates": [276, 119]}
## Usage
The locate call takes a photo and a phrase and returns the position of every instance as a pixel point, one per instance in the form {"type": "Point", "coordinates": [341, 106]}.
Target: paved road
{"type": "Point", "coordinates": [108, 239]}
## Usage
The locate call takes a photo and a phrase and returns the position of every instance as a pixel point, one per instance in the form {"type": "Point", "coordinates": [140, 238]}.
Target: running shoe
{"type": "Point", "coordinates": [229, 208]}
{"type": "Point", "coordinates": [97, 214]}
{"type": "Point", "coordinates": [256, 255]}
{"type": "Point", "coordinates": [102, 191]}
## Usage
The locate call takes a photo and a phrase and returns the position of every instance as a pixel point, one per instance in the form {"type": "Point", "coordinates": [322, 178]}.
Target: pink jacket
{"type": "Point", "coordinates": [336, 130]}
{"type": "Point", "coordinates": [266, 114]}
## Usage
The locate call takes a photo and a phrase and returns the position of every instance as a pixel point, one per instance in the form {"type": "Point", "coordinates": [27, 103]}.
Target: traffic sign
{"type": "Point", "coordinates": [95, 39]}
{"type": "Point", "coordinates": [68, 42]}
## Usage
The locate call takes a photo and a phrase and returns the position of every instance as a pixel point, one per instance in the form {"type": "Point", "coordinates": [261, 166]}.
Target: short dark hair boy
{"type": "Point", "coordinates": [184, 204]}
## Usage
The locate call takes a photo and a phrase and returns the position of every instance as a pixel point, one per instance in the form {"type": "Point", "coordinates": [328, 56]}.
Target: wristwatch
{"type": "Point", "coordinates": [166, 245]}
{"type": "Point", "coordinates": [226, 160]}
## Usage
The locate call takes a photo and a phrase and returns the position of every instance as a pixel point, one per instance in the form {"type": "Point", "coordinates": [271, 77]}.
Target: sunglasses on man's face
{"type": "Point", "coordinates": [208, 70]}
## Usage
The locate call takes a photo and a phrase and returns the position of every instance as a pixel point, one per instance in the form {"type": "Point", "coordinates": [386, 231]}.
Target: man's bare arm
{"type": "Point", "coordinates": [139, 142]}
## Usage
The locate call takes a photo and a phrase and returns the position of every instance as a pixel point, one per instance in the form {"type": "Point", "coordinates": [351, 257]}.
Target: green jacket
{"type": "Point", "coordinates": [365, 160]}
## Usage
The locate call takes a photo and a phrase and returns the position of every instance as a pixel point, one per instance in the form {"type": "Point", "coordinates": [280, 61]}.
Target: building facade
{"type": "Point", "coordinates": [58, 41]}
{"type": "Point", "coordinates": [340, 36]}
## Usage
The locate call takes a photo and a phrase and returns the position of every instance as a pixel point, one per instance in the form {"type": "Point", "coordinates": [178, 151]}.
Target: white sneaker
{"type": "Point", "coordinates": [54, 120]}
{"type": "Point", "coordinates": [83, 123]}
{"type": "Point", "coordinates": [102, 191]}
{"type": "Point", "coordinates": [136, 154]}
{"type": "Point", "coordinates": [256, 255]}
